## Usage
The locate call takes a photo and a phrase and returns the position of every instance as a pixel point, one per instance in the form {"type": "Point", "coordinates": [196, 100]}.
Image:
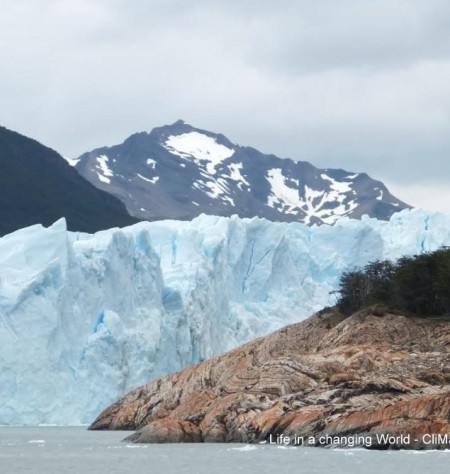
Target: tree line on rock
{"type": "Point", "coordinates": [417, 284]}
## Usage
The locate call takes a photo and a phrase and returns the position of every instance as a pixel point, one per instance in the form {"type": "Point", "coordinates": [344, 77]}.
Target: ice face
{"type": "Point", "coordinates": [85, 318]}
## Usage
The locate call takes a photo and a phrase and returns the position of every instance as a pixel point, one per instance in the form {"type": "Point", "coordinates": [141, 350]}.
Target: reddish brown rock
{"type": "Point", "coordinates": [328, 376]}
{"type": "Point", "coordinates": [167, 430]}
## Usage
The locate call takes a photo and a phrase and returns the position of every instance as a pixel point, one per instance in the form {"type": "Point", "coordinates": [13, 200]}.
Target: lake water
{"type": "Point", "coordinates": [75, 450]}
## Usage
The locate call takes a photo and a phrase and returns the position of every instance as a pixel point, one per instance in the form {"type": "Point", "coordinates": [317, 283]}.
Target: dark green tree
{"type": "Point", "coordinates": [378, 276]}
{"type": "Point", "coordinates": [352, 291]}
{"type": "Point", "coordinates": [415, 284]}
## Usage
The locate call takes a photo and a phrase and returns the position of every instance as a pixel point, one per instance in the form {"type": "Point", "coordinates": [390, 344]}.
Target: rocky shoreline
{"type": "Point", "coordinates": [374, 379]}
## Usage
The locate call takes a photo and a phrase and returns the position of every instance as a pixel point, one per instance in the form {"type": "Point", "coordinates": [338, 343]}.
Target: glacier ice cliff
{"type": "Point", "coordinates": [85, 318]}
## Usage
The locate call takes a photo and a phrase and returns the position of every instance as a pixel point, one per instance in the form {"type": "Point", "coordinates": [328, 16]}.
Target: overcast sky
{"type": "Point", "coordinates": [362, 85]}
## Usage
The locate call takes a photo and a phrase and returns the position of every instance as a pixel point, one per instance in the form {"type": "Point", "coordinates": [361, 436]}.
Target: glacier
{"type": "Point", "coordinates": [85, 318]}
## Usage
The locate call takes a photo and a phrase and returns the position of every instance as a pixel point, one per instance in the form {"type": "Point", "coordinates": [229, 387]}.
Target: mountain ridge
{"type": "Point", "coordinates": [38, 187]}
{"type": "Point", "coordinates": [179, 171]}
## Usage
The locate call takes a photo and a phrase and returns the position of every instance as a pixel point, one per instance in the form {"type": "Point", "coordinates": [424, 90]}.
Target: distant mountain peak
{"type": "Point", "coordinates": [179, 171]}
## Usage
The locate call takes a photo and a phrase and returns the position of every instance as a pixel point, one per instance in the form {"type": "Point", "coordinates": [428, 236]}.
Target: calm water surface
{"type": "Point", "coordinates": [75, 450]}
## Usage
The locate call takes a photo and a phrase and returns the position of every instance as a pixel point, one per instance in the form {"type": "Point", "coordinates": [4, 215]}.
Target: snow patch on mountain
{"type": "Point", "coordinates": [340, 188]}
{"type": "Point", "coordinates": [104, 173]}
{"type": "Point", "coordinates": [314, 204]}
{"type": "Point", "coordinates": [339, 191]}
{"type": "Point", "coordinates": [152, 163]}
{"type": "Point", "coordinates": [312, 207]}
{"type": "Point", "coordinates": [199, 147]}
{"type": "Point", "coordinates": [218, 188]}
{"type": "Point", "coordinates": [214, 187]}
{"type": "Point", "coordinates": [71, 161]}
{"type": "Point", "coordinates": [236, 175]}
{"type": "Point", "coordinates": [282, 195]}
{"type": "Point", "coordinates": [149, 180]}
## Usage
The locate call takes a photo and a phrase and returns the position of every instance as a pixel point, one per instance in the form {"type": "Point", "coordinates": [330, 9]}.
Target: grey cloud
{"type": "Point", "coordinates": [302, 36]}
{"type": "Point", "coordinates": [383, 34]}
{"type": "Point", "coordinates": [360, 85]}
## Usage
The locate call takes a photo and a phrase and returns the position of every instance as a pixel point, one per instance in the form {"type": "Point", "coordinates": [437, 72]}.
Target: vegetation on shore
{"type": "Point", "coordinates": [417, 285]}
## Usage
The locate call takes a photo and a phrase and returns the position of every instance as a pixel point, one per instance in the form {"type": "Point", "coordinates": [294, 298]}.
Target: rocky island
{"type": "Point", "coordinates": [374, 379]}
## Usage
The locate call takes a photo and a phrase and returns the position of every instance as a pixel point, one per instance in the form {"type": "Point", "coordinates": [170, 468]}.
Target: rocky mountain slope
{"type": "Point", "coordinates": [37, 186]}
{"type": "Point", "coordinates": [179, 171]}
{"type": "Point", "coordinates": [325, 381]}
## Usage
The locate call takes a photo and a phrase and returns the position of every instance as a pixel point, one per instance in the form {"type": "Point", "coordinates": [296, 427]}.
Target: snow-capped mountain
{"type": "Point", "coordinates": [85, 318]}
{"type": "Point", "coordinates": [178, 172]}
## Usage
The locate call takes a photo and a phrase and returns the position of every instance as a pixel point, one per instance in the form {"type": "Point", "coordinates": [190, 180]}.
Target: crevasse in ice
{"type": "Point", "coordinates": [85, 318]}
